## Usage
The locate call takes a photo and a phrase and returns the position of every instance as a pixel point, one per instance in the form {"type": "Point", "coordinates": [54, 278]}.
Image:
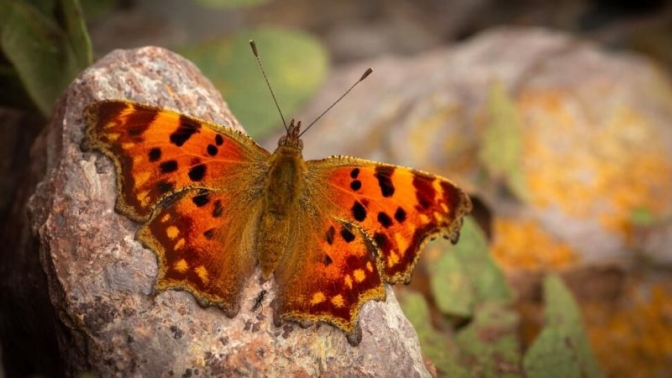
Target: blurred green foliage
{"type": "Point", "coordinates": [295, 62]}
{"type": "Point", "coordinates": [467, 276]}
{"type": "Point", "coordinates": [502, 142]}
{"type": "Point", "coordinates": [45, 45]}
{"type": "Point", "coordinates": [562, 349]}
{"type": "Point", "coordinates": [466, 284]}
{"type": "Point", "coordinates": [643, 217]}
{"type": "Point", "coordinates": [94, 9]}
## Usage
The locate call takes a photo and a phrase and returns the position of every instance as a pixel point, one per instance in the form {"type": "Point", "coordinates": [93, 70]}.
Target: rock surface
{"type": "Point", "coordinates": [594, 156]}
{"type": "Point", "coordinates": [595, 145]}
{"type": "Point", "coordinates": [101, 279]}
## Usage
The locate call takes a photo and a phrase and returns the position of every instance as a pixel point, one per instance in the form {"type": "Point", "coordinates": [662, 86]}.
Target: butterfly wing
{"type": "Point", "coordinates": [158, 153]}
{"type": "Point", "coordinates": [196, 186]}
{"type": "Point", "coordinates": [367, 226]}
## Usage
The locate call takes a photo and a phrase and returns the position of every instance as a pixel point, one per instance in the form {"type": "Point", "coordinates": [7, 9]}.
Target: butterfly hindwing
{"type": "Point", "coordinates": [203, 246]}
{"type": "Point", "coordinates": [328, 275]}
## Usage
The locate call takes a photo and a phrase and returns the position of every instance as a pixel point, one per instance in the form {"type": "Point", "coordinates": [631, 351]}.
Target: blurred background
{"type": "Point", "coordinates": [554, 116]}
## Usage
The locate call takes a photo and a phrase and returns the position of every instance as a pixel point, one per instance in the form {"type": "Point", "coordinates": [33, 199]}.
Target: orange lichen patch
{"type": "Point", "coordinates": [593, 164]}
{"type": "Point", "coordinates": [635, 339]}
{"type": "Point", "coordinates": [523, 244]}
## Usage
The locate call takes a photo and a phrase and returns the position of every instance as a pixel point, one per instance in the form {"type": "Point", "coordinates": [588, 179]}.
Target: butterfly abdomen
{"type": "Point", "coordinates": [284, 182]}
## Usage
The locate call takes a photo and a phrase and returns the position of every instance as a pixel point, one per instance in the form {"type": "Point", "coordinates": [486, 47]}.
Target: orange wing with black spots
{"type": "Point", "coordinates": [330, 277]}
{"type": "Point", "coordinates": [203, 246]}
{"type": "Point", "coordinates": [159, 152]}
{"type": "Point", "coordinates": [370, 224]}
{"type": "Point", "coordinates": [398, 208]}
{"type": "Point", "coordinates": [196, 186]}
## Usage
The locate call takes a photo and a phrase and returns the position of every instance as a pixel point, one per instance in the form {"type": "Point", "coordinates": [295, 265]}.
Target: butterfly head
{"type": "Point", "coordinates": [293, 137]}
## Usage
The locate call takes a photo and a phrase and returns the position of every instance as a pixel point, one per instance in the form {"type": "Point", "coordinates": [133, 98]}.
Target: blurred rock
{"type": "Point", "coordinates": [596, 147]}
{"type": "Point", "coordinates": [594, 153]}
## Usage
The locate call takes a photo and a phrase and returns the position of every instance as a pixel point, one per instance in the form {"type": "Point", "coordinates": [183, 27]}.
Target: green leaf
{"type": "Point", "coordinates": [643, 217]}
{"type": "Point", "coordinates": [435, 346]}
{"type": "Point", "coordinates": [95, 9]}
{"type": "Point", "coordinates": [489, 345]}
{"type": "Point", "coordinates": [502, 141]}
{"type": "Point", "coordinates": [229, 3]}
{"type": "Point", "coordinates": [295, 62]}
{"type": "Point", "coordinates": [46, 56]}
{"type": "Point", "coordinates": [78, 38]}
{"type": "Point", "coordinates": [561, 350]}
{"type": "Point", "coordinates": [467, 275]}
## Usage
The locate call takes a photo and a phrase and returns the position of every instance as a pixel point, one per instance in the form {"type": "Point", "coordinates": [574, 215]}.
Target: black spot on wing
{"type": "Point", "coordinates": [184, 131]}
{"type": "Point", "coordinates": [356, 185]}
{"type": "Point", "coordinates": [168, 166]}
{"type": "Point", "coordinates": [358, 211]}
{"type": "Point", "coordinates": [330, 235]}
{"type": "Point", "coordinates": [219, 140]}
{"type": "Point", "coordinates": [109, 110]}
{"type": "Point", "coordinates": [452, 195]}
{"type": "Point", "coordinates": [382, 242]}
{"type": "Point", "coordinates": [384, 174]}
{"type": "Point", "coordinates": [154, 154]}
{"type": "Point", "coordinates": [424, 191]}
{"type": "Point", "coordinates": [218, 209]}
{"type": "Point", "coordinates": [165, 187]}
{"type": "Point", "coordinates": [384, 219]}
{"type": "Point", "coordinates": [209, 234]}
{"type": "Point", "coordinates": [400, 215]}
{"type": "Point", "coordinates": [197, 172]}
{"type": "Point", "coordinates": [327, 260]}
{"type": "Point", "coordinates": [346, 233]}
{"type": "Point", "coordinates": [139, 120]}
{"type": "Point", "coordinates": [201, 199]}
{"type": "Point", "coordinates": [354, 173]}
{"type": "Point", "coordinates": [212, 150]}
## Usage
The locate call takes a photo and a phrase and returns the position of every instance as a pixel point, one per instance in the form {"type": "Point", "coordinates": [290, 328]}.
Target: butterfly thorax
{"type": "Point", "coordinates": [284, 183]}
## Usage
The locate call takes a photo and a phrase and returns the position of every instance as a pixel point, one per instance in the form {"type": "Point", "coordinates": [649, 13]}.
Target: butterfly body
{"type": "Point", "coordinates": [283, 190]}
{"type": "Point", "coordinates": [214, 205]}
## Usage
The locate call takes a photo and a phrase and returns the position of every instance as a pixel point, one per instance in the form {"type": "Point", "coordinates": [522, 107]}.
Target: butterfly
{"type": "Point", "coordinates": [213, 205]}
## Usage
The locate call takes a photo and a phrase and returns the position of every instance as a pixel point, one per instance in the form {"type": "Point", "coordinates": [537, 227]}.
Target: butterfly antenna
{"type": "Point", "coordinates": [364, 76]}
{"type": "Point", "coordinates": [268, 84]}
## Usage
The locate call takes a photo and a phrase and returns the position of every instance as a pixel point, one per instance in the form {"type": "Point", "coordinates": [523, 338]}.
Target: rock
{"type": "Point", "coordinates": [595, 145]}
{"type": "Point", "coordinates": [594, 158]}
{"type": "Point", "coordinates": [112, 322]}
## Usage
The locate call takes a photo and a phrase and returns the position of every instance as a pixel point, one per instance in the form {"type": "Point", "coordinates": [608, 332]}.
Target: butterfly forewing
{"type": "Point", "coordinates": [158, 152]}
{"type": "Point", "coordinates": [397, 208]}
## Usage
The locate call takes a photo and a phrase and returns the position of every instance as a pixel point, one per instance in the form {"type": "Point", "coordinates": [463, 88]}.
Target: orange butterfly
{"type": "Point", "coordinates": [213, 204]}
